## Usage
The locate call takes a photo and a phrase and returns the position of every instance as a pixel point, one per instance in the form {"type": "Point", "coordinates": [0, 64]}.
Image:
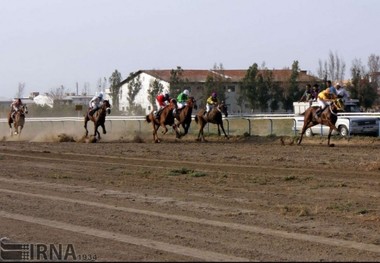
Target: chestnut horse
{"type": "Point", "coordinates": [183, 115]}
{"type": "Point", "coordinates": [328, 117]}
{"type": "Point", "coordinates": [166, 118]}
{"type": "Point", "coordinates": [214, 116]}
{"type": "Point", "coordinates": [99, 118]}
{"type": "Point", "coordinates": [18, 120]}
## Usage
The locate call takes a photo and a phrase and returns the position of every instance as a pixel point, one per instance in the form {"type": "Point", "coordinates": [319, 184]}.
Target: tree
{"type": "Point", "coordinates": [86, 89]}
{"type": "Point", "coordinates": [115, 86]}
{"type": "Point", "coordinates": [332, 69]}
{"type": "Point", "coordinates": [134, 87]}
{"type": "Point", "coordinates": [155, 87]}
{"type": "Point", "coordinates": [249, 85]}
{"type": "Point", "coordinates": [262, 91]}
{"type": "Point", "coordinates": [176, 80]}
{"type": "Point", "coordinates": [20, 90]}
{"type": "Point", "coordinates": [361, 87]}
{"type": "Point", "coordinates": [57, 93]}
{"type": "Point", "coordinates": [101, 85]}
{"type": "Point", "coordinates": [374, 68]}
{"type": "Point", "coordinates": [291, 90]}
{"type": "Point", "coordinates": [217, 82]}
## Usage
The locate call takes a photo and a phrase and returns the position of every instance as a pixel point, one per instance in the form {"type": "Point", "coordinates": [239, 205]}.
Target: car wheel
{"type": "Point", "coordinates": [343, 131]}
{"type": "Point", "coordinates": [309, 133]}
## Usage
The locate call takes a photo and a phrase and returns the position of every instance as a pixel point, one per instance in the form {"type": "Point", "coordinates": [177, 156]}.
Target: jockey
{"type": "Point", "coordinates": [15, 107]}
{"type": "Point", "coordinates": [324, 99]}
{"type": "Point", "coordinates": [95, 103]}
{"type": "Point", "coordinates": [162, 100]}
{"type": "Point", "coordinates": [211, 102]}
{"type": "Point", "coordinates": [182, 99]}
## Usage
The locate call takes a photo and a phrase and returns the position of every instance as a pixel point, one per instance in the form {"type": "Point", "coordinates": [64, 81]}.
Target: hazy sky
{"type": "Point", "coordinates": [49, 43]}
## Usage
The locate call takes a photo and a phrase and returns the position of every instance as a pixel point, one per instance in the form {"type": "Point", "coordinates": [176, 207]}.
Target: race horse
{"type": "Point", "coordinates": [99, 118]}
{"type": "Point", "coordinates": [183, 115]}
{"type": "Point", "coordinates": [166, 117]}
{"type": "Point", "coordinates": [214, 116]}
{"type": "Point", "coordinates": [18, 120]}
{"type": "Point", "coordinates": [328, 117]}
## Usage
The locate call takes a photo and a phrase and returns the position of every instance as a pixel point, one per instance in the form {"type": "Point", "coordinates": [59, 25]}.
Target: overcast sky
{"type": "Point", "coordinates": [49, 43]}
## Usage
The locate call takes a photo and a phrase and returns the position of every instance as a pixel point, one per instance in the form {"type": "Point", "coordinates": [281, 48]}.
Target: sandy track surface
{"type": "Point", "coordinates": [254, 199]}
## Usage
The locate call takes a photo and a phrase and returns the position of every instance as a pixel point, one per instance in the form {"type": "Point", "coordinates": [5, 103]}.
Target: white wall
{"type": "Point", "coordinates": [142, 97]}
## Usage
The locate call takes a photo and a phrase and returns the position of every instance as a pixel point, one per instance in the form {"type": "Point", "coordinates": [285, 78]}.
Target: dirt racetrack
{"type": "Point", "coordinates": [245, 199]}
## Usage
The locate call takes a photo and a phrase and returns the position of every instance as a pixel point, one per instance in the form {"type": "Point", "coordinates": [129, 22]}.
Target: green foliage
{"type": "Point", "coordinates": [291, 91]}
{"type": "Point", "coordinates": [115, 86]}
{"type": "Point", "coordinates": [249, 85]}
{"type": "Point", "coordinates": [134, 87]}
{"type": "Point", "coordinates": [186, 171]}
{"type": "Point", "coordinates": [177, 82]}
{"type": "Point", "coordinates": [155, 87]}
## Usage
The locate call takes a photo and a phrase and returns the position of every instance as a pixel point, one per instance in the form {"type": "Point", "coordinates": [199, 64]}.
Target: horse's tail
{"type": "Point", "coordinates": [148, 120]}
{"type": "Point", "coordinates": [196, 118]}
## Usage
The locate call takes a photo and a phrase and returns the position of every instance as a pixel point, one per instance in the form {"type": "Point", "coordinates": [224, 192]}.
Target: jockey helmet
{"type": "Point", "coordinates": [214, 95]}
{"type": "Point", "coordinates": [100, 95]}
{"type": "Point", "coordinates": [186, 92]}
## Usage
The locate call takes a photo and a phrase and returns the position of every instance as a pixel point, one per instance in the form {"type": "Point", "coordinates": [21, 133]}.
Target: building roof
{"type": "Point", "coordinates": [235, 75]}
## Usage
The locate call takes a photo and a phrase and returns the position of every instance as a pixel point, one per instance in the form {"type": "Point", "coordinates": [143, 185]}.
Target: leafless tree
{"type": "Point", "coordinates": [86, 89]}
{"type": "Point", "coordinates": [374, 66]}
{"type": "Point", "coordinates": [333, 68]}
{"type": "Point", "coordinates": [20, 90]}
{"type": "Point", "coordinates": [57, 93]}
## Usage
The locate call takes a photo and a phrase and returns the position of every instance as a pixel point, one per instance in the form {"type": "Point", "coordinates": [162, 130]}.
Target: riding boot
{"type": "Point", "coordinates": [157, 114]}
{"type": "Point", "coordinates": [13, 115]}
{"type": "Point", "coordinates": [318, 112]}
{"type": "Point", "coordinates": [91, 112]}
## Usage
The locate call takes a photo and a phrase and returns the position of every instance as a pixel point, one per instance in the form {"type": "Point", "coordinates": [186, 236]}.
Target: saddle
{"type": "Point", "coordinates": [91, 112]}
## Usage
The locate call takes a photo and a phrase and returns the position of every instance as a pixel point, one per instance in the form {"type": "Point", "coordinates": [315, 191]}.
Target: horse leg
{"type": "Point", "coordinates": [85, 125]}
{"type": "Point", "coordinates": [177, 131]}
{"type": "Point", "coordinates": [96, 132]}
{"type": "Point", "coordinates": [165, 129]}
{"type": "Point", "coordinates": [104, 128]}
{"type": "Point", "coordinates": [201, 136]}
{"type": "Point", "coordinates": [155, 135]}
{"type": "Point", "coordinates": [221, 126]}
{"type": "Point", "coordinates": [20, 129]}
{"type": "Point", "coordinates": [332, 127]}
{"type": "Point", "coordinates": [306, 125]}
{"type": "Point", "coordinates": [186, 128]}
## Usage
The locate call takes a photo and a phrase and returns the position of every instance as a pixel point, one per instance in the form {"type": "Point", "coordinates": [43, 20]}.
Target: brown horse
{"type": "Point", "coordinates": [183, 115]}
{"type": "Point", "coordinates": [99, 118]}
{"type": "Point", "coordinates": [214, 116]}
{"type": "Point", "coordinates": [166, 118]}
{"type": "Point", "coordinates": [18, 120]}
{"type": "Point", "coordinates": [328, 117]}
